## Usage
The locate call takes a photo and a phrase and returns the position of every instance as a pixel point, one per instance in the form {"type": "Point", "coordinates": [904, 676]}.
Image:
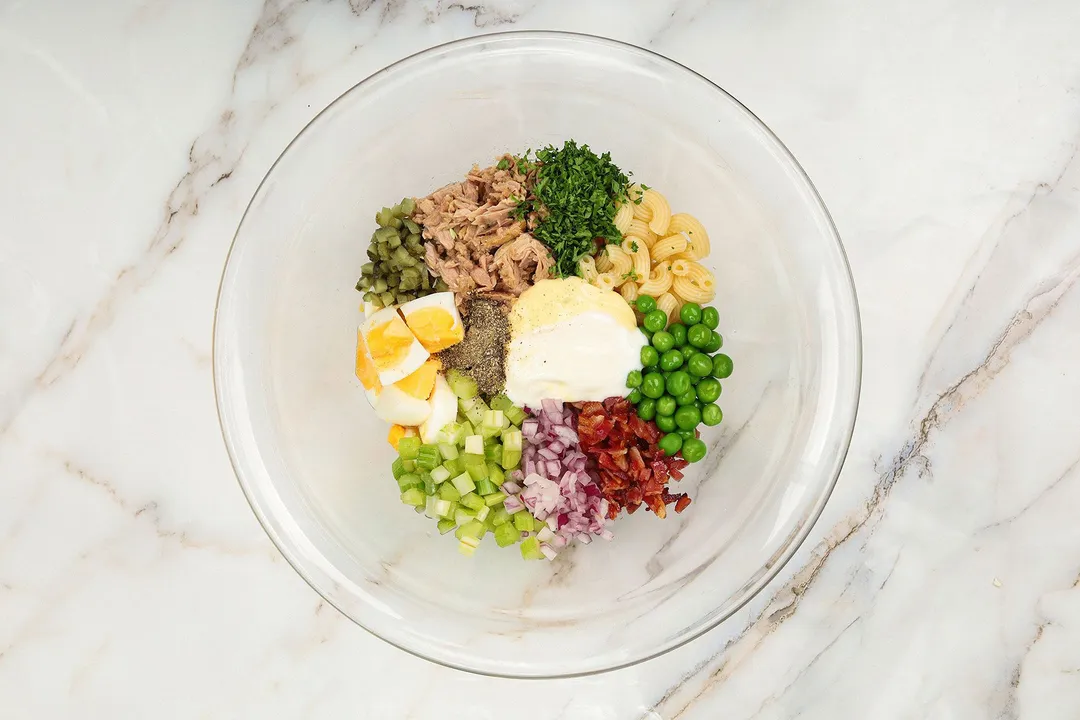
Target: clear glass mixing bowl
{"type": "Point", "coordinates": [313, 459]}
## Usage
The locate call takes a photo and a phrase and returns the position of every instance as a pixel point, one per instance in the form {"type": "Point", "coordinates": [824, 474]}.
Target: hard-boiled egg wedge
{"type": "Point", "coordinates": [434, 320]}
{"type": "Point", "coordinates": [421, 382]}
{"type": "Point", "coordinates": [443, 410]}
{"type": "Point", "coordinates": [365, 368]}
{"type": "Point", "coordinates": [394, 350]}
{"type": "Point", "coordinates": [400, 408]}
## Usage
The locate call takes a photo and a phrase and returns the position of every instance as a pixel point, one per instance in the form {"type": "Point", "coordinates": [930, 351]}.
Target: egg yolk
{"type": "Point", "coordinates": [435, 328]}
{"type": "Point", "coordinates": [389, 343]}
{"type": "Point", "coordinates": [421, 382]}
{"type": "Point", "coordinates": [365, 369]}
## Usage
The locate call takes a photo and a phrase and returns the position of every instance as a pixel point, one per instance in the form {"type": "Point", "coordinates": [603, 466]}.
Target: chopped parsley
{"type": "Point", "coordinates": [575, 194]}
{"type": "Point", "coordinates": [633, 246]}
{"type": "Point", "coordinates": [503, 164]}
{"type": "Point", "coordinates": [631, 275]}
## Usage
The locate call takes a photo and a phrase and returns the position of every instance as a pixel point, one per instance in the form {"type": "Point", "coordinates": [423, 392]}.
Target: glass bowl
{"type": "Point", "coordinates": [313, 459]}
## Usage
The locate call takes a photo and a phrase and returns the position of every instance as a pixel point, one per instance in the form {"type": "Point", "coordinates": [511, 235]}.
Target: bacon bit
{"type": "Point", "coordinates": [630, 468]}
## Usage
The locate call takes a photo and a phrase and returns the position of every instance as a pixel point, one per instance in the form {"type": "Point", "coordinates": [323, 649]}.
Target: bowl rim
{"type": "Point", "coordinates": [794, 543]}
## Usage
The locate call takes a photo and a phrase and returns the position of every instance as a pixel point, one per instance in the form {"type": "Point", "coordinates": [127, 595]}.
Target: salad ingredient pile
{"type": "Point", "coordinates": [537, 337]}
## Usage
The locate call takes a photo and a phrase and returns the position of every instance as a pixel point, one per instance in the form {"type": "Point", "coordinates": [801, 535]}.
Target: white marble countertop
{"type": "Point", "coordinates": [943, 580]}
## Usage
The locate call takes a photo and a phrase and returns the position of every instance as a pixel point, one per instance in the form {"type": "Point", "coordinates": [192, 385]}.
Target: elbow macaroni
{"type": "Point", "coordinates": [606, 281]}
{"type": "Point", "coordinates": [658, 282]}
{"type": "Point", "coordinates": [587, 268]}
{"type": "Point", "coordinates": [699, 239]}
{"type": "Point", "coordinates": [663, 249]}
{"type": "Point", "coordinates": [669, 305]}
{"type": "Point", "coordinates": [621, 263]}
{"type": "Point", "coordinates": [659, 211]}
{"type": "Point", "coordinates": [623, 216]}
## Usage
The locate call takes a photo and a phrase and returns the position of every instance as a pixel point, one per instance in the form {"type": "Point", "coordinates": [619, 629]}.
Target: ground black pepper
{"type": "Point", "coordinates": [482, 354]}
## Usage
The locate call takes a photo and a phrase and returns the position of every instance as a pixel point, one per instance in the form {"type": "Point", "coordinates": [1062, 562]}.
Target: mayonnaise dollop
{"type": "Point", "coordinates": [570, 341]}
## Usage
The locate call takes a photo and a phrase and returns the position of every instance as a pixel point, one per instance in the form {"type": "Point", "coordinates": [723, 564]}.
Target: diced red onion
{"type": "Point", "coordinates": [549, 552]}
{"type": "Point", "coordinates": [553, 483]}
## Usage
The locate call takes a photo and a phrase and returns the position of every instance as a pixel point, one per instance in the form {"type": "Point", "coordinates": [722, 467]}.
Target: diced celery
{"type": "Point", "coordinates": [428, 457]}
{"type": "Point", "coordinates": [466, 431]}
{"type": "Point", "coordinates": [440, 474]}
{"type": "Point", "coordinates": [462, 385]}
{"type": "Point", "coordinates": [510, 459]}
{"type": "Point", "coordinates": [408, 481]}
{"type": "Point", "coordinates": [408, 448]}
{"type": "Point", "coordinates": [441, 507]}
{"type": "Point", "coordinates": [473, 409]}
{"type": "Point", "coordinates": [447, 491]}
{"type": "Point", "coordinates": [446, 526]}
{"type": "Point", "coordinates": [489, 522]}
{"type": "Point", "coordinates": [474, 445]}
{"type": "Point", "coordinates": [473, 501]}
{"type": "Point", "coordinates": [501, 402]}
{"type": "Point", "coordinates": [455, 466]}
{"type": "Point", "coordinates": [449, 451]}
{"type": "Point", "coordinates": [429, 484]}
{"type": "Point", "coordinates": [515, 415]}
{"type": "Point", "coordinates": [530, 549]}
{"type": "Point", "coordinates": [414, 497]}
{"type": "Point", "coordinates": [495, 498]}
{"type": "Point", "coordinates": [463, 483]}
{"type": "Point", "coordinates": [398, 468]}
{"type": "Point", "coordinates": [501, 517]}
{"type": "Point", "coordinates": [451, 434]}
{"type": "Point", "coordinates": [409, 465]}
{"type": "Point", "coordinates": [493, 420]}
{"type": "Point", "coordinates": [429, 508]}
{"type": "Point", "coordinates": [484, 486]}
{"type": "Point", "coordinates": [463, 515]}
{"type": "Point", "coordinates": [511, 440]}
{"type": "Point", "coordinates": [506, 534]}
{"type": "Point", "coordinates": [451, 510]}
{"type": "Point", "coordinates": [493, 452]}
{"type": "Point", "coordinates": [482, 513]}
{"type": "Point", "coordinates": [495, 474]}
{"type": "Point", "coordinates": [523, 521]}
{"type": "Point", "coordinates": [473, 528]}
{"type": "Point", "coordinates": [477, 471]}
{"type": "Point", "coordinates": [467, 546]}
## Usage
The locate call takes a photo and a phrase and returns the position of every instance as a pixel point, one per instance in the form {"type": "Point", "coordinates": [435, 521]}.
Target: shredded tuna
{"type": "Point", "coordinates": [474, 242]}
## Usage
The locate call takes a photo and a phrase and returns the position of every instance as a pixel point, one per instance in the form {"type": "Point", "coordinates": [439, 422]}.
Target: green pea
{"type": "Point", "coordinates": [709, 390]}
{"type": "Point", "coordinates": [690, 313]}
{"type": "Point", "coordinates": [666, 423]}
{"type": "Point", "coordinates": [670, 443]}
{"type": "Point", "coordinates": [693, 450]}
{"type": "Point", "coordinates": [634, 397]}
{"type": "Point", "coordinates": [633, 378]}
{"type": "Point", "coordinates": [655, 320]}
{"type": "Point", "coordinates": [698, 335]}
{"type": "Point", "coordinates": [699, 364]}
{"type": "Point", "coordinates": [652, 385]}
{"type": "Point", "coordinates": [678, 331]}
{"type": "Point", "coordinates": [646, 304]}
{"type": "Point", "coordinates": [646, 409]}
{"type": "Point", "coordinates": [685, 434]}
{"type": "Point", "coordinates": [722, 366]}
{"type": "Point", "coordinates": [663, 341]}
{"type": "Point", "coordinates": [649, 356]}
{"type": "Point", "coordinates": [716, 341]}
{"type": "Point", "coordinates": [678, 383]}
{"type": "Point", "coordinates": [671, 360]}
{"type": "Point", "coordinates": [666, 405]}
{"type": "Point", "coordinates": [710, 415]}
{"type": "Point", "coordinates": [710, 318]}
{"type": "Point", "coordinates": [687, 398]}
{"type": "Point", "coordinates": [687, 417]}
